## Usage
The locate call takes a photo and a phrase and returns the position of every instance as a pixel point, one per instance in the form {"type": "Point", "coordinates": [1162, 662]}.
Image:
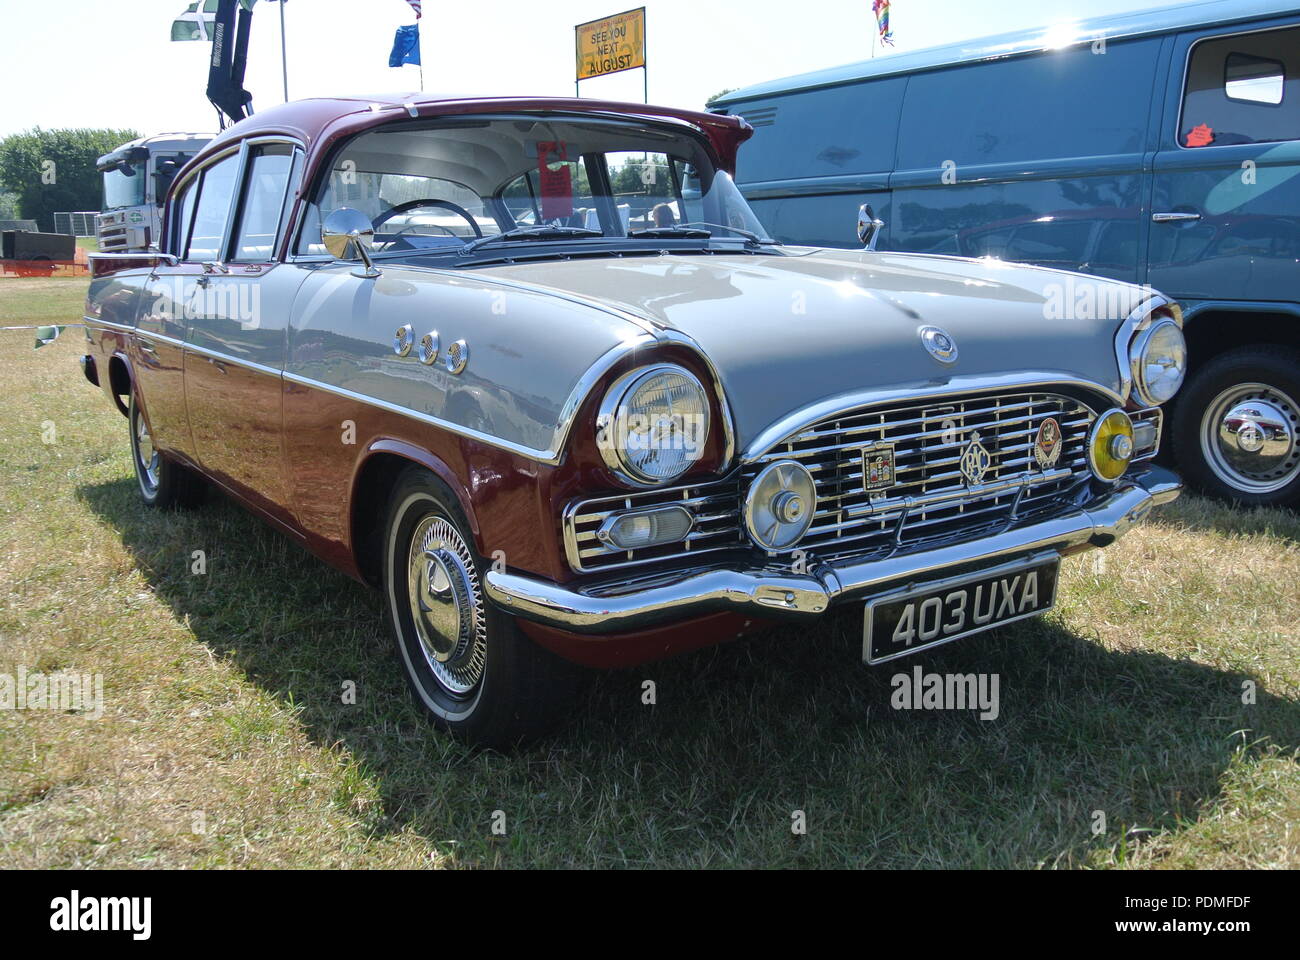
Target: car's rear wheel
{"type": "Point", "coordinates": [1236, 427]}
{"type": "Point", "coordinates": [163, 483]}
{"type": "Point", "coordinates": [469, 666]}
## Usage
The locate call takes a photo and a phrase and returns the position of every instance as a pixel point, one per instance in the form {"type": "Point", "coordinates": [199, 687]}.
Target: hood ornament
{"type": "Point", "coordinates": [939, 343]}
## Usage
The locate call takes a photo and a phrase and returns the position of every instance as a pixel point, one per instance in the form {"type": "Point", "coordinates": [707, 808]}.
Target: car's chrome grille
{"type": "Point", "coordinates": [930, 500]}
{"type": "Point", "coordinates": [716, 527]}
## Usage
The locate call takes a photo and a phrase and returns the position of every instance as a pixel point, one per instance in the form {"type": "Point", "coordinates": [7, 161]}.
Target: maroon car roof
{"type": "Point", "coordinates": [320, 122]}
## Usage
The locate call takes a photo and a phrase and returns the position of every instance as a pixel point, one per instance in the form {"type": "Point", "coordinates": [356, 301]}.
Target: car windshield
{"type": "Point", "coordinates": [124, 186]}
{"type": "Point", "coordinates": [476, 186]}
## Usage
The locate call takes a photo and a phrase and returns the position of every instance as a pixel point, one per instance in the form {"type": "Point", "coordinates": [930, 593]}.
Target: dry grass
{"type": "Point", "coordinates": [224, 741]}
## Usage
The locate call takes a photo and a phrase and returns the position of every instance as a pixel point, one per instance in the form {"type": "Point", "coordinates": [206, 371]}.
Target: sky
{"type": "Point", "coordinates": [110, 63]}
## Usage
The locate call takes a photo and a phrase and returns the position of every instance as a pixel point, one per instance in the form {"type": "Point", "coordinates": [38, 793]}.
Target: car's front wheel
{"type": "Point", "coordinates": [1236, 427]}
{"type": "Point", "coordinates": [468, 664]}
{"type": "Point", "coordinates": [163, 483]}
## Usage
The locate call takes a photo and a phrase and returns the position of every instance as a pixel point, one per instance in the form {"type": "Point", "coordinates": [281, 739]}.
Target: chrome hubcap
{"type": "Point", "coordinates": [145, 452]}
{"type": "Point", "coordinates": [447, 605]}
{"type": "Point", "coordinates": [1248, 436]}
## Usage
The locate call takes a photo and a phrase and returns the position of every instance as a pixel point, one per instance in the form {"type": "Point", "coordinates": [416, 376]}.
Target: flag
{"type": "Point", "coordinates": [416, 5]}
{"type": "Point", "coordinates": [196, 22]}
{"type": "Point", "coordinates": [406, 46]}
{"type": "Point", "coordinates": [881, 9]}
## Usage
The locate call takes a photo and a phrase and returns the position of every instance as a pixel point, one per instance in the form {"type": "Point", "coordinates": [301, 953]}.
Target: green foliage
{"type": "Point", "coordinates": [9, 206]}
{"type": "Point", "coordinates": [719, 95]}
{"type": "Point", "coordinates": [54, 170]}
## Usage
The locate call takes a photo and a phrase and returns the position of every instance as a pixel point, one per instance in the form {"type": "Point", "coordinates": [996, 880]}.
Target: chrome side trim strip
{"type": "Point", "coordinates": [236, 361]}
{"type": "Point", "coordinates": [832, 407]}
{"type": "Point", "coordinates": [622, 607]}
{"type": "Point", "coordinates": [96, 322]}
{"type": "Point", "coordinates": [550, 457]}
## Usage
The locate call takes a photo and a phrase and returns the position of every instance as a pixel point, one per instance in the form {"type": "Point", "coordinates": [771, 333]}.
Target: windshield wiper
{"type": "Point", "coordinates": [747, 234]}
{"type": "Point", "coordinates": [530, 233]}
{"type": "Point", "coordinates": [690, 232]}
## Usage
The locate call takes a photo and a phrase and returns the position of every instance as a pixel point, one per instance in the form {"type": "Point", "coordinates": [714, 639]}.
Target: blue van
{"type": "Point", "coordinates": [1159, 147]}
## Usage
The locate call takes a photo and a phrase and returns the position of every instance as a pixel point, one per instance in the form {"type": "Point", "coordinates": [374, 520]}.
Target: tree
{"type": "Point", "coordinates": [54, 170]}
{"type": "Point", "coordinates": [708, 104]}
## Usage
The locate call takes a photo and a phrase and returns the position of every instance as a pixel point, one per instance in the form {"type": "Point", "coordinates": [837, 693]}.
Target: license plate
{"type": "Point", "coordinates": [902, 624]}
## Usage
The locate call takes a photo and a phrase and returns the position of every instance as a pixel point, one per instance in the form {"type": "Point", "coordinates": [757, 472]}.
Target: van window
{"type": "Point", "coordinates": [183, 211]}
{"type": "Point", "coordinates": [1242, 89]}
{"type": "Point", "coordinates": [218, 186]}
{"type": "Point", "coordinates": [259, 216]}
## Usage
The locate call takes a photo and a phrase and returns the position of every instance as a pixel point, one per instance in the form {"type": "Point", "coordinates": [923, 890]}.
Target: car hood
{"type": "Point", "coordinates": [786, 332]}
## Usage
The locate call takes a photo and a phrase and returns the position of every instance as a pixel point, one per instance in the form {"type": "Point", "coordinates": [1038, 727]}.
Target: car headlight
{"type": "Point", "coordinates": [1159, 361]}
{"type": "Point", "coordinates": [1111, 445]}
{"type": "Point", "coordinates": [653, 424]}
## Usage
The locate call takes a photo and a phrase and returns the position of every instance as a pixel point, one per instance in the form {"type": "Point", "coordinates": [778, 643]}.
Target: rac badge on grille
{"type": "Point", "coordinates": [940, 345]}
{"type": "Point", "coordinates": [975, 461]}
{"type": "Point", "coordinates": [1047, 445]}
{"type": "Point", "coordinates": [878, 466]}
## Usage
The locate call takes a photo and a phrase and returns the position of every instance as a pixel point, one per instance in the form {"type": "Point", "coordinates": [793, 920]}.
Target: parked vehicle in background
{"type": "Point", "coordinates": [535, 369]}
{"type": "Point", "coordinates": [136, 178]}
{"type": "Point", "coordinates": [34, 246]}
{"type": "Point", "coordinates": [1159, 147]}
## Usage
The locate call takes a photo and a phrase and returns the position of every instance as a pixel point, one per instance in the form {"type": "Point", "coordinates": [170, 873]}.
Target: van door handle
{"type": "Point", "coordinates": [1175, 217]}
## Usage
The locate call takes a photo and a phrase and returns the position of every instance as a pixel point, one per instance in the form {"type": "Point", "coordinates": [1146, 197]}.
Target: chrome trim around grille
{"type": "Point", "coordinates": [930, 498]}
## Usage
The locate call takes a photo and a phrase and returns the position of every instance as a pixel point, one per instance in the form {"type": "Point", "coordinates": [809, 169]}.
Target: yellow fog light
{"type": "Point", "coordinates": [1111, 445]}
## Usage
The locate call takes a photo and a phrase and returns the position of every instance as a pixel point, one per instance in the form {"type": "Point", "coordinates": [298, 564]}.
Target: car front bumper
{"type": "Point", "coordinates": [767, 593]}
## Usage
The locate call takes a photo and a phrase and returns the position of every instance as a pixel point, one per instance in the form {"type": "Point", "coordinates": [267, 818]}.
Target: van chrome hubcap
{"type": "Point", "coordinates": [1248, 436]}
{"type": "Point", "coordinates": [446, 605]}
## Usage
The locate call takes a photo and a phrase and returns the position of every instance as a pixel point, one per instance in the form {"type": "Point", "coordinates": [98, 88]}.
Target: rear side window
{"type": "Point", "coordinates": [263, 204]}
{"type": "Point", "coordinates": [183, 211]}
{"type": "Point", "coordinates": [1242, 89]}
{"type": "Point", "coordinates": [213, 210]}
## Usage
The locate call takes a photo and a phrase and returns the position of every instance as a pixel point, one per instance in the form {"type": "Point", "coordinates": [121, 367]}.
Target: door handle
{"type": "Point", "coordinates": [1175, 217]}
{"type": "Point", "coordinates": [221, 367]}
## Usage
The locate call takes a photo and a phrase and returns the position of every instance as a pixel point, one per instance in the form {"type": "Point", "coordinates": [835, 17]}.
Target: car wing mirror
{"type": "Point", "coordinates": [348, 235]}
{"type": "Point", "coordinates": [869, 226]}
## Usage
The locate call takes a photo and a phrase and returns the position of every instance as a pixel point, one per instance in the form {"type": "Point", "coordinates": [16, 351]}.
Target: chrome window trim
{"type": "Point", "coordinates": [773, 436]}
{"type": "Point", "coordinates": [1187, 72]}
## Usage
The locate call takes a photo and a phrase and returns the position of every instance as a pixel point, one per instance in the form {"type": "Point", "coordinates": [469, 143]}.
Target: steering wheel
{"type": "Point", "coordinates": [401, 208]}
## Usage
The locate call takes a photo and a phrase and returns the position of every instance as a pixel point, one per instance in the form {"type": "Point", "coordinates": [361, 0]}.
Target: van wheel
{"type": "Point", "coordinates": [469, 666]}
{"type": "Point", "coordinates": [1236, 427]}
{"type": "Point", "coordinates": [162, 483]}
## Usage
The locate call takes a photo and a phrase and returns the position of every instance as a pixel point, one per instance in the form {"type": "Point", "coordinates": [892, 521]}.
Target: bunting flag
{"type": "Point", "coordinates": [416, 5]}
{"type": "Point", "coordinates": [881, 9]}
{"type": "Point", "coordinates": [406, 46]}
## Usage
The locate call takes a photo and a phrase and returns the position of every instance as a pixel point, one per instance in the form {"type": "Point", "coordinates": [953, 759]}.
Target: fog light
{"type": "Point", "coordinates": [647, 528]}
{"type": "Point", "coordinates": [780, 505]}
{"type": "Point", "coordinates": [1110, 448]}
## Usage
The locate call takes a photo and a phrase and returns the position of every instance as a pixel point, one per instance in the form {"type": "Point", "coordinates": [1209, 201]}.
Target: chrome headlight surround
{"type": "Point", "coordinates": [615, 426]}
{"type": "Point", "coordinates": [1133, 336]}
{"type": "Point", "coordinates": [1164, 335]}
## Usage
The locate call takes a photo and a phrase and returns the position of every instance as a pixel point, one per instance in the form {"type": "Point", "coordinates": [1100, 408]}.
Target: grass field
{"type": "Point", "coordinates": [225, 741]}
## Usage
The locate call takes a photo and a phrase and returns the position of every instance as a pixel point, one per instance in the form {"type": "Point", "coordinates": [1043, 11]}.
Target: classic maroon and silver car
{"type": "Point", "coordinates": [534, 369]}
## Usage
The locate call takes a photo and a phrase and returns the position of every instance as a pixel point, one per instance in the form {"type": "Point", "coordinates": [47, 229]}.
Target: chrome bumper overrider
{"type": "Point", "coordinates": [625, 607]}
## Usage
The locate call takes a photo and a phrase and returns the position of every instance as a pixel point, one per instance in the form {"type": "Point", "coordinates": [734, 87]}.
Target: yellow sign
{"type": "Point", "coordinates": [612, 44]}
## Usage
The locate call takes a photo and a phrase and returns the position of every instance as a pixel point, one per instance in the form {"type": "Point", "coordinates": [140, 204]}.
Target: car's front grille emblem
{"type": "Point", "coordinates": [975, 461]}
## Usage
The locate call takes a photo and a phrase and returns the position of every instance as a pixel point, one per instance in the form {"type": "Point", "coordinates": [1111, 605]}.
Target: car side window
{"type": "Point", "coordinates": [1242, 89]}
{"type": "Point", "coordinates": [263, 203]}
{"type": "Point", "coordinates": [212, 211]}
{"type": "Point", "coordinates": [183, 211]}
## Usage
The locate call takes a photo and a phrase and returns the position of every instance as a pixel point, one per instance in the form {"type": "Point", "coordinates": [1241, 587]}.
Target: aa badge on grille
{"type": "Point", "coordinates": [878, 466]}
{"type": "Point", "coordinates": [975, 461]}
{"type": "Point", "coordinates": [1047, 445]}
